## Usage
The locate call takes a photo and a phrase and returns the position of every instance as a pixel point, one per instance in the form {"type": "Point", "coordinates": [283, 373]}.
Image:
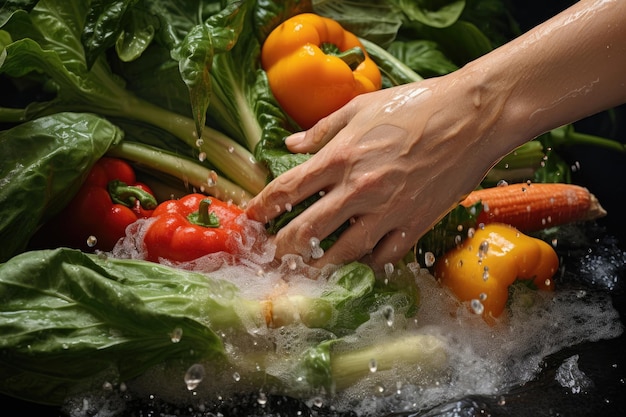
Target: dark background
{"type": "Point", "coordinates": [604, 173]}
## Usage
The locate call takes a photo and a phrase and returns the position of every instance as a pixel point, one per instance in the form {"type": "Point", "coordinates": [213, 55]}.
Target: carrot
{"type": "Point", "coordinates": [532, 207]}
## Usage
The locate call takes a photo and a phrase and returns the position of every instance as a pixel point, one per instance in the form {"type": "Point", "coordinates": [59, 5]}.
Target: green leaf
{"type": "Point", "coordinates": [103, 26]}
{"type": "Point", "coordinates": [434, 13]}
{"type": "Point", "coordinates": [198, 50]}
{"type": "Point", "coordinates": [423, 56]}
{"type": "Point", "coordinates": [376, 21]}
{"type": "Point", "coordinates": [69, 319]}
{"type": "Point", "coordinates": [195, 58]}
{"type": "Point", "coordinates": [460, 42]}
{"type": "Point", "coordinates": [11, 6]}
{"type": "Point", "coordinates": [42, 165]}
{"type": "Point", "coordinates": [138, 33]}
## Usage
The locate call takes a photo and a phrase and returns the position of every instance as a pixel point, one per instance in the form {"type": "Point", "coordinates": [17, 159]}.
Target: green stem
{"type": "Point", "coordinates": [353, 57]}
{"type": "Point", "coordinates": [395, 70]}
{"type": "Point", "coordinates": [226, 155]}
{"type": "Point", "coordinates": [202, 217]}
{"type": "Point", "coordinates": [566, 136]}
{"type": "Point", "coordinates": [187, 170]}
{"type": "Point", "coordinates": [423, 352]}
{"type": "Point", "coordinates": [122, 193]}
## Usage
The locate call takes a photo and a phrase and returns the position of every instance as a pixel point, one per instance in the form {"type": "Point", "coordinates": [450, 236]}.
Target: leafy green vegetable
{"type": "Point", "coordinates": [181, 81]}
{"type": "Point", "coordinates": [48, 41]}
{"type": "Point", "coordinates": [42, 165]}
{"type": "Point", "coordinates": [70, 319]}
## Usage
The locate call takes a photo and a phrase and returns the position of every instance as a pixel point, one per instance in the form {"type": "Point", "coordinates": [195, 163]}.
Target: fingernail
{"type": "Point", "coordinates": [295, 139]}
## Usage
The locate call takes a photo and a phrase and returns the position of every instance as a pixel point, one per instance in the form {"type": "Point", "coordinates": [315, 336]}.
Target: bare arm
{"type": "Point", "coordinates": [396, 161]}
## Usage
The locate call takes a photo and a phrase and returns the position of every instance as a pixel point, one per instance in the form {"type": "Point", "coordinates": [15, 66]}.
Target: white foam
{"type": "Point", "coordinates": [482, 359]}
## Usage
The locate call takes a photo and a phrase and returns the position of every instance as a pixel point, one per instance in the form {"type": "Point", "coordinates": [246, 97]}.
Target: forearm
{"type": "Point", "coordinates": [570, 67]}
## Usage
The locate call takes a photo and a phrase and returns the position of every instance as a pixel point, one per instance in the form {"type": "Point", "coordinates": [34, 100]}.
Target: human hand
{"type": "Point", "coordinates": [395, 161]}
{"type": "Point", "coordinates": [391, 163]}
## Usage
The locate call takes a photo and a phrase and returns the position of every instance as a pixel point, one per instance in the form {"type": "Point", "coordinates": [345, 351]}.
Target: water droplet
{"type": "Point", "coordinates": [199, 142]}
{"type": "Point", "coordinates": [476, 306]}
{"type": "Point", "coordinates": [262, 398]}
{"type": "Point", "coordinates": [457, 240]}
{"type": "Point", "coordinates": [388, 314]}
{"type": "Point", "coordinates": [483, 248]}
{"type": "Point", "coordinates": [318, 402]}
{"type": "Point", "coordinates": [373, 365]}
{"type": "Point", "coordinates": [482, 296]}
{"type": "Point", "coordinates": [470, 232]}
{"type": "Point", "coordinates": [501, 401]}
{"type": "Point", "coordinates": [502, 183]}
{"type": "Point", "coordinates": [429, 259]}
{"type": "Point", "coordinates": [231, 149]}
{"type": "Point", "coordinates": [316, 251]}
{"type": "Point", "coordinates": [288, 207]}
{"type": "Point", "coordinates": [92, 241]}
{"type": "Point", "coordinates": [176, 335]}
{"type": "Point", "coordinates": [485, 273]}
{"type": "Point", "coordinates": [236, 377]}
{"type": "Point", "coordinates": [388, 269]}
{"type": "Point", "coordinates": [292, 264]}
{"type": "Point", "coordinates": [414, 267]}
{"type": "Point", "coordinates": [201, 156]}
{"type": "Point", "coordinates": [194, 376]}
{"type": "Point", "coordinates": [212, 179]}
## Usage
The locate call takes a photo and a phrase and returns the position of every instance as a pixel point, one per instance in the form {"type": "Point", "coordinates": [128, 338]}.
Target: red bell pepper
{"type": "Point", "coordinates": [191, 227]}
{"type": "Point", "coordinates": [109, 200]}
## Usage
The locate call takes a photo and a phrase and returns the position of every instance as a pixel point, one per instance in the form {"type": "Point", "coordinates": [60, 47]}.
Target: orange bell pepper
{"type": "Point", "coordinates": [483, 267]}
{"type": "Point", "coordinates": [314, 67]}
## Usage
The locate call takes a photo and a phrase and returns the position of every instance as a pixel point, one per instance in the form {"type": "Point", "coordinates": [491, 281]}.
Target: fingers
{"type": "Point", "coordinates": [391, 249]}
{"type": "Point", "coordinates": [285, 191]}
{"type": "Point", "coordinates": [317, 222]}
{"type": "Point", "coordinates": [314, 139]}
{"type": "Point", "coordinates": [355, 242]}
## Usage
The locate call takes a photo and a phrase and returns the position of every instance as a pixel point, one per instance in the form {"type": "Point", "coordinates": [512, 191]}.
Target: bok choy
{"type": "Point", "coordinates": [70, 320]}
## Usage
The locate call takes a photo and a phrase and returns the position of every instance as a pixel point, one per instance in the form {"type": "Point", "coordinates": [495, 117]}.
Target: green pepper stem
{"type": "Point", "coordinates": [352, 57]}
{"type": "Point", "coordinates": [127, 195]}
{"type": "Point", "coordinates": [202, 217]}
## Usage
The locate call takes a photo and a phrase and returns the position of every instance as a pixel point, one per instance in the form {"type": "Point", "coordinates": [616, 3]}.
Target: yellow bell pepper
{"type": "Point", "coordinates": [481, 269]}
{"type": "Point", "coordinates": [314, 67]}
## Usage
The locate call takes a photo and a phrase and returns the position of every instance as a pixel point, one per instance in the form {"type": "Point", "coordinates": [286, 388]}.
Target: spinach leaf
{"type": "Point", "coordinates": [42, 165]}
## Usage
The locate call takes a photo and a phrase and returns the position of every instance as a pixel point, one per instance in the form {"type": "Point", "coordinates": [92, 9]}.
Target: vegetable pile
{"type": "Point", "coordinates": [196, 96]}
